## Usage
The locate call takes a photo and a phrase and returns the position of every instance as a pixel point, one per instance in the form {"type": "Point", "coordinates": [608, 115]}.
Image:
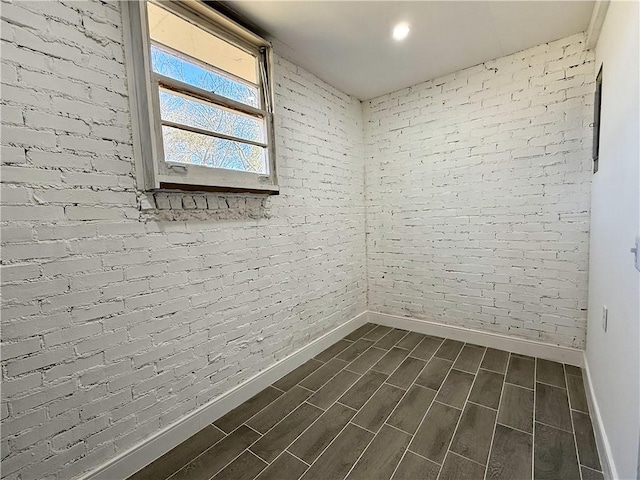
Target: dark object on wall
{"type": "Point", "coordinates": [596, 120]}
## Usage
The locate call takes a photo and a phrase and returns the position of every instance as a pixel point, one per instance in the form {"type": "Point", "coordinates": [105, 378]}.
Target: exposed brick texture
{"type": "Point", "coordinates": [478, 195]}
{"type": "Point", "coordinates": [124, 311]}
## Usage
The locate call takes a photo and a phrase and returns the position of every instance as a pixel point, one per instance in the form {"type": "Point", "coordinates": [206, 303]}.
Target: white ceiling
{"type": "Point", "coordinates": [349, 44]}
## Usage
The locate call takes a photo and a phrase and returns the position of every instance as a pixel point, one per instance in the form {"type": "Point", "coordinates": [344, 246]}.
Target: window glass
{"type": "Point", "coordinates": [173, 66]}
{"type": "Point", "coordinates": [178, 34]}
{"type": "Point", "coordinates": [178, 108]}
{"type": "Point", "coordinates": [182, 146]}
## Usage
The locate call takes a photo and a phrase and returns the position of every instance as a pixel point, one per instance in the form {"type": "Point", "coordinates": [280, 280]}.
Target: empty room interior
{"type": "Point", "coordinates": [320, 240]}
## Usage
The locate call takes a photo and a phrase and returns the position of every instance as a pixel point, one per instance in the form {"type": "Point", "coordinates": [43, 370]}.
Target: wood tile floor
{"type": "Point", "coordinates": [390, 404]}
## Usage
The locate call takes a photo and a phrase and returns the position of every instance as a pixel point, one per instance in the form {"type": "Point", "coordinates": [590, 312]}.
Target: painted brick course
{"type": "Point", "coordinates": [478, 195]}
{"type": "Point", "coordinates": [124, 311]}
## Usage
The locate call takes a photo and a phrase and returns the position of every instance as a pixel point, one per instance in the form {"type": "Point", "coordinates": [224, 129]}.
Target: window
{"type": "Point", "coordinates": [201, 97]}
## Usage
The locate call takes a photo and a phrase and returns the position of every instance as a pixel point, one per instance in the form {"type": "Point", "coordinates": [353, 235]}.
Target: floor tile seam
{"type": "Point", "coordinates": [219, 429]}
{"type": "Point", "coordinates": [276, 459]}
{"type": "Point", "coordinates": [494, 371]}
{"type": "Point", "coordinates": [589, 468]}
{"type": "Point", "coordinates": [432, 356]}
{"type": "Point", "coordinates": [259, 458]}
{"type": "Point", "coordinates": [473, 345]}
{"type": "Point", "coordinates": [421, 456]}
{"type": "Point", "coordinates": [424, 415]}
{"type": "Point", "coordinates": [392, 385]}
{"type": "Point", "coordinates": [229, 463]}
{"type": "Point", "coordinates": [495, 425]}
{"type": "Point", "coordinates": [384, 421]}
{"type": "Point", "coordinates": [333, 440]}
{"type": "Point", "coordinates": [308, 400]}
{"type": "Point", "coordinates": [575, 439]}
{"type": "Point", "coordinates": [262, 435]}
{"type": "Point", "coordinates": [514, 428]}
{"type": "Point", "coordinates": [330, 378]}
{"type": "Point", "coordinates": [555, 426]}
{"type": "Point", "coordinates": [205, 451]}
{"type": "Point", "coordinates": [581, 411]}
{"type": "Point", "coordinates": [349, 362]}
{"type": "Point", "coordinates": [246, 450]}
{"type": "Point", "coordinates": [362, 336]}
{"type": "Point", "coordinates": [554, 386]}
{"type": "Point", "coordinates": [413, 383]}
{"type": "Point", "coordinates": [564, 372]}
{"type": "Point", "coordinates": [311, 425]}
{"type": "Point", "coordinates": [455, 430]}
{"type": "Point", "coordinates": [361, 453]}
{"type": "Point", "coordinates": [279, 421]}
{"type": "Point", "coordinates": [262, 409]}
{"type": "Point", "coordinates": [345, 426]}
{"type": "Point", "coordinates": [378, 389]}
{"type": "Point", "coordinates": [363, 428]}
{"type": "Point", "coordinates": [224, 435]}
{"type": "Point", "coordinates": [295, 456]}
{"type": "Point", "coordinates": [376, 326]}
{"type": "Point", "coordinates": [451, 452]}
{"type": "Point", "coordinates": [485, 406]}
{"type": "Point", "coordinates": [396, 428]}
{"type": "Point", "coordinates": [336, 355]}
{"type": "Point", "coordinates": [516, 385]}
{"type": "Point", "coordinates": [396, 343]}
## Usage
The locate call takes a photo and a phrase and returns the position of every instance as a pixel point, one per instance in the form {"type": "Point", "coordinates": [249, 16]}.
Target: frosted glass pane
{"type": "Point", "coordinates": [189, 111]}
{"type": "Point", "coordinates": [180, 69]}
{"type": "Point", "coordinates": [182, 146]}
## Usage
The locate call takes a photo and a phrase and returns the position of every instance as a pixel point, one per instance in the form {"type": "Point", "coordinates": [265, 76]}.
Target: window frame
{"type": "Point", "coordinates": [597, 108]}
{"type": "Point", "coordinates": [152, 172]}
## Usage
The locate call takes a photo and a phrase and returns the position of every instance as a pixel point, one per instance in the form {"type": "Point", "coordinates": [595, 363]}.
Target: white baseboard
{"type": "Point", "coordinates": [145, 452]}
{"type": "Point", "coordinates": [572, 356]}
{"type": "Point", "coordinates": [602, 442]}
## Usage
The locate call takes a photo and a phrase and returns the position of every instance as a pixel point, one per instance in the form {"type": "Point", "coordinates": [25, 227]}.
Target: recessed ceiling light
{"type": "Point", "coordinates": [400, 31]}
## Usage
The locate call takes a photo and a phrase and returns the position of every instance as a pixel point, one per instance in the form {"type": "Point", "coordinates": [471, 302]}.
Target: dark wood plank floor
{"type": "Point", "coordinates": [388, 404]}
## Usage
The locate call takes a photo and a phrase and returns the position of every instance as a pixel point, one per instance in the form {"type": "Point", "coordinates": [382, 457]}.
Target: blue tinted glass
{"type": "Point", "coordinates": [182, 146]}
{"type": "Point", "coordinates": [177, 68]}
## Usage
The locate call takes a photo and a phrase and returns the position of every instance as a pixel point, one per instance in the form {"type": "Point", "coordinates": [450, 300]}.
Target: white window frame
{"type": "Point", "coordinates": [152, 172]}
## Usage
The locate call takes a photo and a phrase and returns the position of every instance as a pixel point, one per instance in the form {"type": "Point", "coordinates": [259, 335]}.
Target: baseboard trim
{"type": "Point", "coordinates": [602, 442]}
{"type": "Point", "coordinates": [145, 452]}
{"type": "Point", "coordinates": [571, 356]}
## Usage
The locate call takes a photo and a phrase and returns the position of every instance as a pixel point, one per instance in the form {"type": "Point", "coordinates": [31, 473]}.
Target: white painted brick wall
{"type": "Point", "coordinates": [478, 195]}
{"type": "Point", "coordinates": [123, 312]}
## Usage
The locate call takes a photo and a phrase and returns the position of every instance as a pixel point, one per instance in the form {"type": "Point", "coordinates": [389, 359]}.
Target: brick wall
{"type": "Point", "coordinates": [123, 312]}
{"type": "Point", "coordinates": [478, 195]}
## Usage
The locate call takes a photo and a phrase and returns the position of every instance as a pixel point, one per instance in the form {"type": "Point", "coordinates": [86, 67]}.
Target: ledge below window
{"type": "Point", "coordinates": [264, 190]}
